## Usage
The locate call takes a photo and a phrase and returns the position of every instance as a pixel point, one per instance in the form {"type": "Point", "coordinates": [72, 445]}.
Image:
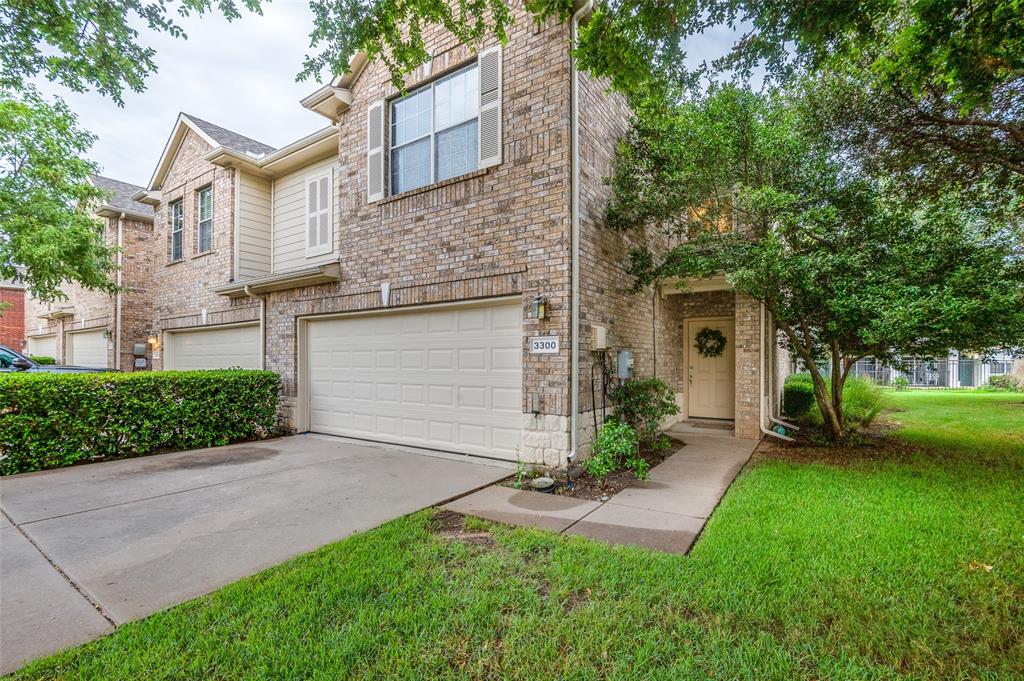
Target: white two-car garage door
{"type": "Point", "coordinates": [215, 348]}
{"type": "Point", "coordinates": [88, 349]}
{"type": "Point", "coordinates": [445, 378]}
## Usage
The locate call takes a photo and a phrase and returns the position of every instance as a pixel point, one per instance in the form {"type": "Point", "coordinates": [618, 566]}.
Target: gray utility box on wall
{"type": "Point", "coordinates": [625, 364]}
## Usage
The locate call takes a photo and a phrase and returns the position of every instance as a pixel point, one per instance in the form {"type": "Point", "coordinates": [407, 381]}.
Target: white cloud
{"type": "Point", "coordinates": [239, 75]}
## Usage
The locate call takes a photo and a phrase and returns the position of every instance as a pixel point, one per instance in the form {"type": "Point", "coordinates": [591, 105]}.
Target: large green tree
{"type": "Point", "coordinates": [82, 45]}
{"type": "Point", "coordinates": [45, 192]}
{"type": "Point", "coordinates": [747, 186]}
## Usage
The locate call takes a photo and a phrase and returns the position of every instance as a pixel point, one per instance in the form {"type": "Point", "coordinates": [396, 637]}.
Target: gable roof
{"type": "Point", "coordinates": [120, 196]}
{"type": "Point", "coordinates": [230, 140]}
{"type": "Point", "coordinates": [214, 135]}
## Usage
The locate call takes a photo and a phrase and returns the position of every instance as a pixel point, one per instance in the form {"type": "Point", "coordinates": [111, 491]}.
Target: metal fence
{"type": "Point", "coordinates": [934, 373]}
{"type": "Point", "coordinates": [930, 373]}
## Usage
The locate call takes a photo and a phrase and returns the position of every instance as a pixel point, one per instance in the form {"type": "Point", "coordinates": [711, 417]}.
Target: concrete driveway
{"type": "Point", "coordinates": [85, 549]}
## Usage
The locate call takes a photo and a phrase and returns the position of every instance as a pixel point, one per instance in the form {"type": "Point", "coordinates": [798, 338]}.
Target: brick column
{"type": "Point", "coordinates": [747, 366]}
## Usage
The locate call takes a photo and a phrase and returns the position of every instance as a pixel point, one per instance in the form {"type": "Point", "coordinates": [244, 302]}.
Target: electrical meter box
{"type": "Point", "coordinates": [625, 364]}
{"type": "Point", "coordinates": [600, 338]}
{"type": "Point", "coordinates": [139, 349]}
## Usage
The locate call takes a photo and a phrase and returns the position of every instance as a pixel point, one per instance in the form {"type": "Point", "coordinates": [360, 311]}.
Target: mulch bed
{"type": "Point", "coordinates": [585, 486]}
{"type": "Point", "coordinates": [872, 444]}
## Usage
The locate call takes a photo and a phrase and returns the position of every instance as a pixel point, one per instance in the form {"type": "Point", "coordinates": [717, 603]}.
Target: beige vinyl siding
{"type": "Point", "coordinates": [253, 226]}
{"type": "Point", "coordinates": [290, 217]}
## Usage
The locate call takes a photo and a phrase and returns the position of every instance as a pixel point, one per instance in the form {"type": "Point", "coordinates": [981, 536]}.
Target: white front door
{"type": "Point", "coordinates": [711, 380]}
{"type": "Point", "coordinates": [447, 378]}
{"type": "Point", "coordinates": [88, 349]}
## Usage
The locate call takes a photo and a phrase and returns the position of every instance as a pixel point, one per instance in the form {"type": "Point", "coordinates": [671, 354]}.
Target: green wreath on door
{"type": "Point", "coordinates": [709, 342]}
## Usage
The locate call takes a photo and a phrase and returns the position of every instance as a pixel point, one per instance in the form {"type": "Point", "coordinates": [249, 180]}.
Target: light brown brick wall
{"type": "Point", "coordinates": [183, 289]}
{"type": "Point", "coordinates": [649, 325]}
{"type": "Point", "coordinates": [96, 309]}
{"type": "Point", "coordinates": [496, 232]}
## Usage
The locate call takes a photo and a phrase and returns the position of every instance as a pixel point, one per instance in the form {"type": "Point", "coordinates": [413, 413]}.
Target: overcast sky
{"type": "Point", "coordinates": [239, 75]}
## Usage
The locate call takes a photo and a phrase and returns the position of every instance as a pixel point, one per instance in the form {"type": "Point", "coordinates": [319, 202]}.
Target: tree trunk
{"type": "Point", "coordinates": [830, 405]}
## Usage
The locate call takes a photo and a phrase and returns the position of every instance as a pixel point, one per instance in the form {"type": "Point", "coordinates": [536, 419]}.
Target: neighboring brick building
{"type": "Point", "coordinates": [93, 328]}
{"type": "Point", "coordinates": [12, 314]}
{"type": "Point", "coordinates": [391, 267]}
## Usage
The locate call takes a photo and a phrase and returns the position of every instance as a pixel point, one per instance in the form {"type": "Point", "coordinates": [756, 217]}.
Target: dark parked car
{"type": "Point", "coordinates": [12, 360]}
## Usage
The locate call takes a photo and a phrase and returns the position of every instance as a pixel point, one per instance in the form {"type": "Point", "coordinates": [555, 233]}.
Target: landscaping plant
{"type": "Point", "coordinates": [901, 382]}
{"type": "Point", "coordinates": [1007, 382]}
{"type": "Point", "coordinates": [797, 395]}
{"type": "Point", "coordinates": [42, 359]}
{"type": "Point", "coordinates": [616, 448]}
{"type": "Point", "coordinates": [643, 403]}
{"type": "Point", "coordinates": [54, 420]}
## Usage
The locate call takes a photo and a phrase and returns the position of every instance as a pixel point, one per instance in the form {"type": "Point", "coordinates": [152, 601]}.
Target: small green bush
{"type": "Point", "coordinates": [42, 359]}
{"type": "Point", "coordinates": [797, 395]}
{"type": "Point", "coordinates": [1007, 382]}
{"type": "Point", "coordinates": [642, 404]}
{"type": "Point", "coordinates": [616, 448]}
{"type": "Point", "coordinates": [54, 420]}
{"type": "Point", "coordinates": [862, 401]}
{"type": "Point", "coordinates": [901, 382]}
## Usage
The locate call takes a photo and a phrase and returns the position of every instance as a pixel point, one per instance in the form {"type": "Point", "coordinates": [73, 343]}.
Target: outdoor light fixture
{"type": "Point", "coordinates": [153, 340]}
{"type": "Point", "coordinates": [538, 307]}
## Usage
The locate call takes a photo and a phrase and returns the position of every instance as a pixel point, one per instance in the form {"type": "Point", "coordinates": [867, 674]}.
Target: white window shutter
{"type": "Point", "coordinates": [375, 152]}
{"type": "Point", "coordinates": [489, 129]}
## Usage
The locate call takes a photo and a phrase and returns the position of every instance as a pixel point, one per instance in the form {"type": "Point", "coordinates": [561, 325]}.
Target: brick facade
{"type": "Point", "coordinates": [12, 316]}
{"type": "Point", "coordinates": [183, 295]}
{"type": "Point", "coordinates": [97, 310]}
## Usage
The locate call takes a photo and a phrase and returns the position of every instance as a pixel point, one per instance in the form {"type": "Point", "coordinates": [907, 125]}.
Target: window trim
{"type": "Point", "coordinates": [199, 219]}
{"type": "Point", "coordinates": [177, 228]}
{"type": "Point", "coordinates": [432, 135]}
{"type": "Point", "coordinates": [314, 178]}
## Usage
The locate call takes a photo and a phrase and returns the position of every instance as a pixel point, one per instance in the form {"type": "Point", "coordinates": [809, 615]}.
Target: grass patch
{"type": "Point", "coordinates": [904, 568]}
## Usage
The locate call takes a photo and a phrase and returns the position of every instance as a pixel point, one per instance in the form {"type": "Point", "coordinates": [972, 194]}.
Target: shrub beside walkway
{"type": "Point", "coordinates": [665, 513]}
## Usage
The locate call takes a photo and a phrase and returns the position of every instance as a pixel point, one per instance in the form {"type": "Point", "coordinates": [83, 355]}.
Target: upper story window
{"type": "Point", "coordinates": [434, 131]}
{"type": "Point", "coordinates": [177, 228]}
{"type": "Point", "coordinates": [204, 232]}
{"type": "Point", "coordinates": [319, 232]}
{"type": "Point", "coordinates": [441, 130]}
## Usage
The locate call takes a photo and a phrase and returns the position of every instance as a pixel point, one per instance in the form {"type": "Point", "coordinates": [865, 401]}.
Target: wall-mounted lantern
{"type": "Point", "coordinates": [538, 307]}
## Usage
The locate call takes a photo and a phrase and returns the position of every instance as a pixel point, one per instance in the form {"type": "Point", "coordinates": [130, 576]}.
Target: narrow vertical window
{"type": "Point", "coordinates": [205, 232]}
{"type": "Point", "coordinates": [177, 228]}
{"type": "Point", "coordinates": [319, 223]}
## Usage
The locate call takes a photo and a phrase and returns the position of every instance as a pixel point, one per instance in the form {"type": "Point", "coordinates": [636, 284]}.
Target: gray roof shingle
{"type": "Point", "coordinates": [231, 140]}
{"type": "Point", "coordinates": [120, 194]}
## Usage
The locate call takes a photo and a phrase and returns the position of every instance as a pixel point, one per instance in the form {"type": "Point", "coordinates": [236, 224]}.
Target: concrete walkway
{"type": "Point", "coordinates": [87, 548]}
{"type": "Point", "coordinates": [665, 513]}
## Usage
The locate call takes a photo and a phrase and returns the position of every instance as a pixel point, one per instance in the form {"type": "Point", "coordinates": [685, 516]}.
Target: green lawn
{"type": "Point", "coordinates": [870, 569]}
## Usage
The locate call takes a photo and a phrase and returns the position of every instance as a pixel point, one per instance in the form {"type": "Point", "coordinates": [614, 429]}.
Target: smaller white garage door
{"type": "Point", "coordinates": [87, 349]}
{"type": "Point", "coordinates": [218, 348]}
{"type": "Point", "coordinates": [43, 346]}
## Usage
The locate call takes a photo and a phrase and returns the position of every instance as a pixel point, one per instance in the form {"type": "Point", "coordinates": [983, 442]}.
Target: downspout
{"type": "Point", "coordinates": [117, 304]}
{"type": "Point", "coordinates": [574, 218]}
{"type": "Point", "coordinates": [763, 318]}
{"type": "Point", "coordinates": [263, 324]}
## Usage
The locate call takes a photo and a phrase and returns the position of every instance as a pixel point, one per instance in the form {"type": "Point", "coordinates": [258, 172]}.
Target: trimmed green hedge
{"type": "Point", "coordinates": [55, 420]}
{"type": "Point", "coordinates": [797, 395]}
{"type": "Point", "coordinates": [42, 359]}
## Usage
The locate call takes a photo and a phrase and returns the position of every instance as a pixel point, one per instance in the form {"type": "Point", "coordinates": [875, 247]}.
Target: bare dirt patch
{"type": "Point", "coordinates": [451, 526]}
{"type": "Point", "coordinates": [872, 444]}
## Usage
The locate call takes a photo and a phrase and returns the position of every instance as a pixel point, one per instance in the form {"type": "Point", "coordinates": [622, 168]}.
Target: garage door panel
{"type": "Point", "coordinates": [446, 379]}
{"type": "Point", "coordinates": [88, 349]}
{"type": "Point", "coordinates": [215, 348]}
{"type": "Point", "coordinates": [43, 346]}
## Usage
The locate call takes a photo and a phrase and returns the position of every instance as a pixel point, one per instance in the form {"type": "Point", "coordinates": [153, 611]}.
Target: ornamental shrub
{"type": "Point", "coordinates": [642, 404]}
{"type": "Point", "coordinates": [797, 395]}
{"type": "Point", "coordinates": [616, 448]}
{"type": "Point", "coordinates": [42, 359]}
{"type": "Point", "coordinates": [901, 382]}
{"type": "Point", "coordinates": [55, 420]}
{"type": "Point", "coordinates": [1007, 382]}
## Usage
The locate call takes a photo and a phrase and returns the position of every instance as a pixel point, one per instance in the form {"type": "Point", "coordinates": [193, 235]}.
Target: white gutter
{"type": "Point", "coordinates": [117, 305]}
{"type": "Point", "coordinates": [263, 324]}
{"type": "Point", "coordinates": [574, 218]}
{"type": "Point", "coordinates": [763, 319]}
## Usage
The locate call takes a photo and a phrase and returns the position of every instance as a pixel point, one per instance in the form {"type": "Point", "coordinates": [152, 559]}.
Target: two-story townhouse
{"type": "Point", "coordinates": [230, 214]}
{"type": "Point", "coordinates": [464, 224]}
{"type": "Point", "coordinates": [94, 328]}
